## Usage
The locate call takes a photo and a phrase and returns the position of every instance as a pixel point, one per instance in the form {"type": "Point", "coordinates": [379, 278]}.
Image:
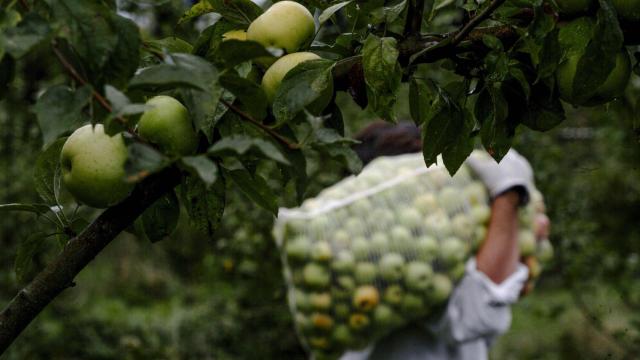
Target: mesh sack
{"type": "Point", "coordinates": [376, 251]}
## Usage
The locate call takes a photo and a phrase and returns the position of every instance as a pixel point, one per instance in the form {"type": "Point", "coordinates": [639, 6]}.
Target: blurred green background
{"type": "Point", "coordinates": [191, 297]}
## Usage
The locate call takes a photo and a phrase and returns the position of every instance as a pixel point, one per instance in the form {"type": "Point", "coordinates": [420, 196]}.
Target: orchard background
{"type": "Point", "coordinates": [212, 288]}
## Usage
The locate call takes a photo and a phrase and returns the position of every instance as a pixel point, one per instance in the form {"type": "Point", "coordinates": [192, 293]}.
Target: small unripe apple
{"type": "Point", "coordinates": [452, 250]}
{"type": "Point", "coordinates": [360, 248]}
{"type": "Point", "coordinates": [379, 242]}
{"type": "Point", "coordinates": [365, 273]}
{"type": "Point", "coordinates": [534, 266]}
{"type": "Point", "coordinates": [427, 247]}
{"type": "Point", "coordinates": [167, 124]}
{"type": "Point", "coordinates": [359, 321]}
{"type": "Point", "coordinates": [438, 223]}
{"type": "Point", "coordinates": [359, 207]}
{"type": "Point", "coordinates": [342, 310]}
{"type": "Point", "coordinates": [275, 74]}
{"type": "Point", "coordinates": [346, 282]}
{"type": "Point", "coordinates": [319, 225]}
{"type": "Point", "coordinates": [366, 298]}
{"type": "Point", "coordinates": [410, 218]}
{"type": "Point", "coordinates": [319, 342]}
{"type": "Point", "coordinates": [321, 251]}
{"type": "Point", "coordinates": [412, 304]}
{"type": "Point", "coordinates": [462, 226]}
{"type": "Point", "coordinates": [481, 213]}
{"type": "Point", "coordinates": [418, 276]}
{"type": "Point", "coordinates": [92, 165]}
{"type": "Point", "coordinates": [301, 301]}
{"type": "Point", "coordinates": [302, 322]}
{"type": "Point", "coordinates": [441, 288]}
{"type": "Point", "coordinates": [384, 317]}
{"type": "Point", "coordinates": [341, 238]}
{"type": "Point", "coordinates": [457, 271]}
{"type": "Point", "coordinates": [400, 235]}
{"type": "Point", "coordinates": [316, 275]}
{"type": "Point", "coordinates": [320, 301]}
{"type": "Point", "coordinates": [342, 335]}
{"type": "Point", "coordinates": [450, 199]}
{"type": "Point", "coordinates": [286, 24]}
{"type": "Point", "coordinates": [394, 295]}
{"type": "Point", "coordinates": [298, 249]}
{"type": "Point", "coordinates": [355, 226]}
{"type": "Point", "coordinates": [391, 267]}
{"type": "Point", "coordinates": [322, 321]}
{"type": "Point", "coordinates": [545, 251]}
{"type": "Point", "coordinates": [527, 242]}
{"type": "Point", "coordinates": [426, 203]}
{"type": "Point", "coordinates": [344, 262]}
{"type": "Point", "coordinates": [476, 194]}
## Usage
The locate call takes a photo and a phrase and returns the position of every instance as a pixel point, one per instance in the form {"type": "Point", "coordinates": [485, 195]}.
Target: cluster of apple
{"type": "Point", "coordinates": [574, 38]}
{"type": "Point", "coordinates": [379, 250]}
{"type": "Point", "coordinates": [93, 162]}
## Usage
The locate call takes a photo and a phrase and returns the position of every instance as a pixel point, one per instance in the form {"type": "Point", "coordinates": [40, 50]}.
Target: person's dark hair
{"type": "Point", "coordinates": [386, 139]}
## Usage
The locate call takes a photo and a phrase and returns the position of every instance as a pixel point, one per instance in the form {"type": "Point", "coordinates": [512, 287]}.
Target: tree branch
{"type": "Point", "coordinates": [415, 12]}
{"type": "Point", "coordinates": [475, 21]}
{"type": "Point", "coordinates": [78, 252]}
{"type": "Point", "coordinates": [283, 140]}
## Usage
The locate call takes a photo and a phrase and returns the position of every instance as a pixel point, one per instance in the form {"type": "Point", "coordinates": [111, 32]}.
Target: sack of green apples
{"type": "Point", "coordinates": [381, 249]}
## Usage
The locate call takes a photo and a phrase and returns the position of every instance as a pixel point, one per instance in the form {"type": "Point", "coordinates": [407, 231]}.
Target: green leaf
{"type": "Point", "coordinates": [256, 188]}
{"type": "Point", "coordinates": [241, 12]}
{"type": "Point", "coordinates": [205, 108]}
{"type": "Point", "coordinates": [491, 111]}
{"type": "Point", "coordinates": [180, 70]}
{"type": "Point", "coordinates": [161, 218]}
{"type": "Point", "coordinates": [27, 249]}
{"type": "Point", "coordinates": [541, 111]}
{"type": "Point", "coordinates": [382, 74]}
{"type": "Point", "coordinates": [31, 31]}
{"type": "Point", "coordinates": [38, 209]}
{"type": "Point", "coordinates": [325, 136]}
{"type": "Point", "coordinates": [59, 110]}
{"type": "Point", "coordinates": [347, 156]}
{"type": "Point", "coordinates": [171, 44]}
{"type": "Point", "coordinates": [249, 93]}
{"type": "Point", "coordinates": [233, 52]}
{"type": "Point", "coordinates": [458, 151]}
{"type": "Point", "coordinates": [120, 103]}
{"type": "Point", "coordinates": [125, 58]}
{"type": "Point", "coordinates": [199, 9]}
{"type": "Point", "coordinates": [388, 13]}
{"type": "Point", "coordinates": [203, 167]}
{"type": "Point", "coordinates": [47, 173]}
{"type": "Point", "coordinates": [599, 57]}
{"type": "Point", "coordinates": [420, 99]}
{"type": "Point", "coordinates": [205, 206]}
{"type": "Point", "coordinates": [242, 144]}
{"type": "Point", "coordinates": [308, 85]}
{"type": "Point", "coordinates": [328, 12]}
{"type": "Point", "coordinates": [492, 42]}
{"type": "Point", "coordinates": [142, 161]}
{"type": "Point", "coordinates": [446, 121]}
{"type": "Point", "coordinates": [92, 34]}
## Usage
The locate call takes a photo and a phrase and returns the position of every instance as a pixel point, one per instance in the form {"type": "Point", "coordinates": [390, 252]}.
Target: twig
{"type": "Point", "coordinates": [415, 11]}
{"type": "Point", "coordinates": [80, 80]}
{"type": "Point", "coordinates": [25, 5]}
{"type": "Point", "coordinates": [475, 21]}
{"type": "Point", "coordinates": [283, 140]}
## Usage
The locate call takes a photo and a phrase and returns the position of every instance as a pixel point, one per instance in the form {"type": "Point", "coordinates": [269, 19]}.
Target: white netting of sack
{"type": "Point", "coordinates": [378, 250]}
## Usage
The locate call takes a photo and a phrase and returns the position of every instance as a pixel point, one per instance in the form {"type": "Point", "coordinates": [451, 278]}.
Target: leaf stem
{"type": "Point", "coordinates": [475, 21]}
{"type": "Point", "coordinates": [283, 140]}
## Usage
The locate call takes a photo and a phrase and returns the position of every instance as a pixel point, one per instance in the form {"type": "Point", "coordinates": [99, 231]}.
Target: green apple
{"type": "Point", "coordinates": [341, 238]}
{"type": "Point", "coordinates": [480, 213]}
{"type": "Point", "coordinates": [286, 24]}
{"type": "Point", "coordinates": [342, 310]}
{"type": "Point", "coordinates": [320, 301]}
{"type": "Point", "coordinates": [438, 224]}
{"type": "Point", "coordinates": [366, 298]}
{"type": "Point", "coordinates": [410, 218]}
{"type": "Point", "coordinates": [319, 342]}
{"type": "Point", "coordinates": [344, 262]}
{"type": "Point", "coordinates": [316, 275]}
{"type": "Point", "coordinates": [527, 242]}
{"type": "Point", "coordinates": [301, 301]}
{"type": "Point", "coordinates": [302, 322]}
{"type": "Point", "coordinates": [321, 251]}
{"type": "Point", "coordinates": [167, 124]}
{"type": "Point", "coordinates": [275, 74]}
{"type": "Point", "coordinates": [462, 226]}
{"type": "Point", "coordinates": [379, 242]}
{"type": "Point", "coordinates": [534, 266]}
{"type": "Point", "coordinates": [354, 226]}
{"type": "Point", "coordinates": [628, 10]}
{"type": "Point", "coordinates": [319, 225]}
{"type": "Point", "coordinates": [394, 295]}
{"type": "Point", "coordinates": [450, 199]}
{"type": "Point", "coordinates": [383, 216]}
{"type": "Point", "coordinates": [457, 271]}
{"type": "Point", "coordinates": [479, 234]}
{"type": "Point", "coordinates": [298, 249]}
{"type": "Point", "coordinates": [346, 282]}
{"type": "Point", "coordinates": [358, 321]}
{"type": "Point", "coordinates": [452, 250]}
{"type": "Point", "coordinates": [427, 247]}
{"type": "Point", "coordinates": [400, 235]}
{"type": "Point", "coordinates": [544, 252]}
{"type": "Point", "coordinates": [360, 248]}
{"type": "Point", "coordinates": [440, 288]}
{"type": "Point", "coordinates": [342, 335]}
{"type": "Point", "coordinates": [575, 7]}
{"type": "Point", "coordinates": [391, 267]}
{"type": "Point", "coordinates": [476, 194]}
{"type": "Point", "coordinates": [235, 35]}
{"type": "Point", "coordinates": [365, 273]}
{"type": "Point", "coordinates": [418, 276]}
{"type": "Point", "coordinates": [426, 203]}
{"type": "Point", "coordinates": [92, 165]}
{"type": "Point", "coordinates": [412, 305]}
{"type": "Point", "coordinates": [574, 38]}
{"type": "Point", "coordinates": [361, 207]}
{"type": "Point", "coordinates": [385, 318]}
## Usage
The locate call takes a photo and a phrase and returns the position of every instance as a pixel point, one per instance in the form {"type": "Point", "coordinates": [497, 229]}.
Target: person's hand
{"type": "Point", "coordinates": [513, 172]}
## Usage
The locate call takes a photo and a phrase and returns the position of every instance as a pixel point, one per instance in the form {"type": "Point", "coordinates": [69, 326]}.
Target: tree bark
{"type": "Point", "coordinates": [78, 252]}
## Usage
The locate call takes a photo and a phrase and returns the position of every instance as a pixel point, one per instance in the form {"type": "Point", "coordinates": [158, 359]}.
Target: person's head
{"type": "Point", "coordinates": [386, 139]}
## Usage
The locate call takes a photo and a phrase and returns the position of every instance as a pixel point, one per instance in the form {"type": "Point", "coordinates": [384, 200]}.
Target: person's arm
{"type": "Point", "coordinates": [499, 254]}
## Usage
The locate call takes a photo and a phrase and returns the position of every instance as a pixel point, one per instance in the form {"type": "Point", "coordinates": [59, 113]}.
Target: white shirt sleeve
{"type": "Point", "coordinates": [478, 307]}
